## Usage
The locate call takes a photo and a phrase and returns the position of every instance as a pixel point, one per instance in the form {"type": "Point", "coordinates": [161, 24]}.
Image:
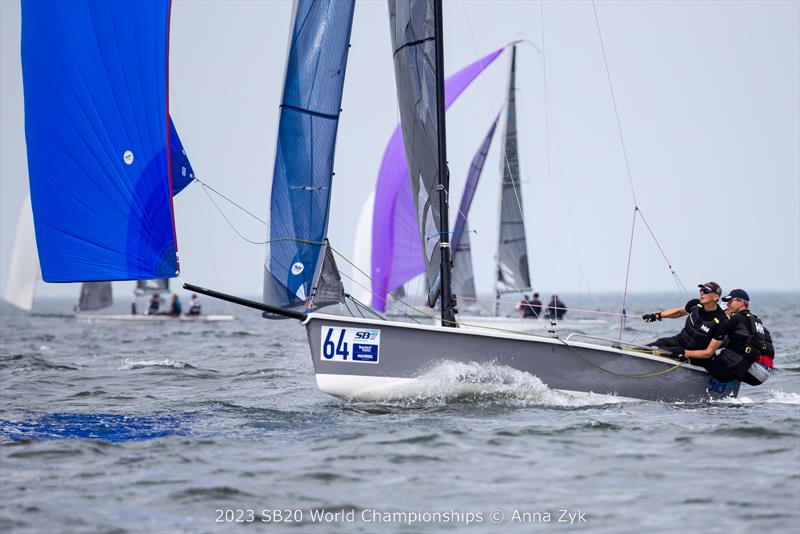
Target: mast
{"type": "Point", "coordinates": [448, 315]}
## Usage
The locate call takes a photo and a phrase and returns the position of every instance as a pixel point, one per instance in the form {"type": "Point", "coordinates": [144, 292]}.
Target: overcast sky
{"type": "Point", "coordinates": [708, 95]}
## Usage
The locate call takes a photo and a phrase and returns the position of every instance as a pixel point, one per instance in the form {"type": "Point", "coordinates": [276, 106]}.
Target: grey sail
{"type": "Point", "coordinates": [95, 296]}
{"type": "Point", "coordinates": [413, 45]}
{"type": "Point", "coordinates": [513, 274]}
{"type": "Point", "coordinates": [463, 278]}
{"type": "Point", "coordinates": [156, 285]}
{"type": "Point", "coordinates": [329, 289]}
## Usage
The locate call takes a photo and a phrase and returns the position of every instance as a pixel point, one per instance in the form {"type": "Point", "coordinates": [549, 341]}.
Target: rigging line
{"type": "Point", "coordinates": [621, 375]}
{"type": "Point", "coordinates": [562, 180]}
{"type": "Point", "coordinates": [349, 311]}
{"type": "Point", "coordinates": [581, 356]}
{"type": "Point", "coordinates": [669, 263]}
{"type": "Point", "coordinates": [228, 220]}
{"type": "Point", "coordinates": [614, 101]}
{"type": "Point", "coordinates": [637, 336]}
{"type": "Point", "coordinates": [388, 292]}
{"type": "Point", "coordinates": [206, 186]}
{"type": "Point", "coordinates": [504, 155]}
{"type": "Point", "coordinates": [627, 274]}
{"type": "Point", "coordinates": [214, 259]}
{"type": "Point", "coordinates": [547, 140]}
{"type": "Point", "coordinates": [570, 308]}
{"type": "Point", "coordinates": [363, 306]}
{"type": "Point", "coordinates": [624, 148]}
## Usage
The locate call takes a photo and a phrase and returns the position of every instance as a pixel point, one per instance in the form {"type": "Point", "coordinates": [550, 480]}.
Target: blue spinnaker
{"type": "Point", "coordinates": [96, 126]}
{"type": "Point", "coordinates": [301, 183]}
{"type": "Point", "coordinates": [182, 173]}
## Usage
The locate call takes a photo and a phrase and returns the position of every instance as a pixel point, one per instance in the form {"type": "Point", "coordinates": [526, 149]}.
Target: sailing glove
{"type": "Point", "coordinates": [679, 355]}
{"type": "Point", "coordinates": [650, 317]}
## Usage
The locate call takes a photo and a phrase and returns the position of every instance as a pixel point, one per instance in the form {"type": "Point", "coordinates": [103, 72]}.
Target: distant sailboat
{"type": "Point", "coordinates": [24, 272]}
{"type": "Point", "coordinates": [361, 358]}
{"type": "Point", "coordinates": [511, 272]}
{"type": "Point", "coordinates": [387, 245]}
{"type": "Point", "coordinates": [463, 277]}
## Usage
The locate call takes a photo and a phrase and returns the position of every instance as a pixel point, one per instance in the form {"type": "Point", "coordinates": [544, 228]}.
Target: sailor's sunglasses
{"type": "Point", "coordinates": [706, 290]}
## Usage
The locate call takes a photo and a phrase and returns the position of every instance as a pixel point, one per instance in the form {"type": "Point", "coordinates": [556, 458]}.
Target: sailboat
{"type": "Point", "coordinates": [102, 199]}
{"type": "Point", "coordinates": [24, 271]}
{"type": "Point", "coordinates": [512, 272]}
{"type": "Point", "coordinates": [365, 358]}
{"type": "Point", "coordinates": [104, 156]}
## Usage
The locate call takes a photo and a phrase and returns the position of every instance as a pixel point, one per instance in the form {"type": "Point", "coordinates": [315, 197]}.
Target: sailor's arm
{"type": "Point", "coordinates": [672, 313]}
{"type": "Point", "coordinates": [706, 353]}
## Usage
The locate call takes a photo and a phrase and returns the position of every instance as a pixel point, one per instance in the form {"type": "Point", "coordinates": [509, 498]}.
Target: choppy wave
{"type": "Point", "coordinates": [31, 362]}
{"type": "Point", "coordinates": [129, 364]}
{"type": "Point", "coordinates": [776, 396]}
{"type": "Point", "coordinates": [475, 383]}
{"type": "Point", "coordinates": [780, 397]}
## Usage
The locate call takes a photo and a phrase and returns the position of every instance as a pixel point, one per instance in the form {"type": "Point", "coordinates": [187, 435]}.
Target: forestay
{"type": "Point", "coordinates": [512, 257]}
{"type": "Point", "coordinates": [97, 132]}
{"type": "Point", "coordinates": [463, 277]}
{"type": "Point", "coordinates": [301, 184]}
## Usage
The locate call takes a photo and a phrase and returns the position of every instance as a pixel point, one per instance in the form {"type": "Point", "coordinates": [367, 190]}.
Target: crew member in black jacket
{"type": "Point", "coordinates": [705, 328]}
{"type": "Point", "coordinates": [748, 352]}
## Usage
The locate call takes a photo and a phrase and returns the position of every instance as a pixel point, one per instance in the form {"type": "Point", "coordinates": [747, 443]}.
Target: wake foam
{"type": "Point", "coordinates": [779, 397]}
{"type": "Point", "coordinates": [776, 396]}
{"type": "Point", "coordinates": [452, 383]}
{"type": "Point", "coordinates": [129, 364]}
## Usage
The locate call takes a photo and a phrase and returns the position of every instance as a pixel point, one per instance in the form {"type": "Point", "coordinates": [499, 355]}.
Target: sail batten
{"type": "Point", "coordinates": [298, 264]}
{"type": "Point", "coordinates": [513, 274]}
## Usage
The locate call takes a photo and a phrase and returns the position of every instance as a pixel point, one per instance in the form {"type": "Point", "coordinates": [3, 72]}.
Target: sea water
{"type": "Point", "coordinates": [215, 427]}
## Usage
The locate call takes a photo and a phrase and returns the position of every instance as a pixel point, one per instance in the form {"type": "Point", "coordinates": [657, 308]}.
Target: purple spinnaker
{"type": "Point", "coordinates": [396, 249]}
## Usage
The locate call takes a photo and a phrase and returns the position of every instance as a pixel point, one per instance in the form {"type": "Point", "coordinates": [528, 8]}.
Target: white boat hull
{"type": "Point", "coordinates": [93, 318]}
{"type": "Point", "coordinates": [361, 358]}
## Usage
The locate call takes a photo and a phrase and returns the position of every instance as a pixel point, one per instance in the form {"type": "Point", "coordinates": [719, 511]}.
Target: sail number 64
{"type": "Point", "coordinates": [339, 348]}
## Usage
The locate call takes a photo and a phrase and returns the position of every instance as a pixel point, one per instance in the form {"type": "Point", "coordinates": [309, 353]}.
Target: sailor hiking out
{"type": "Point", "coordinates": [748, 353]}
{"type": "Point", "coordinates": [705, 329]}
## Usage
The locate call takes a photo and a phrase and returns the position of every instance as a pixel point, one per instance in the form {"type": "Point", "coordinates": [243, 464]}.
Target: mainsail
{"type": "Point", "coordinates": [24, 272]}
{"type": "Point", "coordinates": [463, 278]}
{"type": "Point", "coordinates": [413, 34]}
{"type": "Point", "coordinates": [97, 132]}
{"type": "Point", "coordinates": [297, 256]}
{"type": "Point", "coordinates": [512, 255]}
{"type": "Point", "coordinates": [396, 250]}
